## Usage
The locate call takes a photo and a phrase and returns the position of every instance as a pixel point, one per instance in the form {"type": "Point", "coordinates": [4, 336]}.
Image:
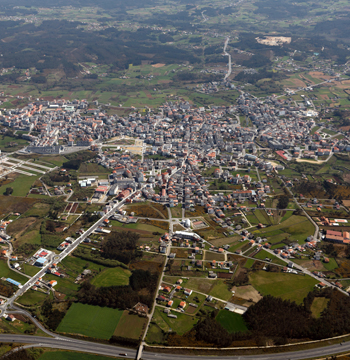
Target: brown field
{"type": "Point", "coordinates": [342, 84]}
{"type": "Point", "coordinates": [247, 292]}
{"type": "Point", "coordinates": [130, 326]}
{"type": "Point", "coordinates": [18, 227]}
{"type": "Point", "coordinates": [324, 97]}
{"type": "Point", "coordinates": [159, 65]}
{"type": "Point", "coordinates": [164, 81]}
{"type": "Point", "coordinates": [298, 82]}
{"type": "Point", "coordinates": [15, 204]}
{"type": "Point", "coordinates": [148, 94]}
{"type": "Point", "coordinates": [347, 202]}
{"type": "Point", "coordinates": [319, 75]}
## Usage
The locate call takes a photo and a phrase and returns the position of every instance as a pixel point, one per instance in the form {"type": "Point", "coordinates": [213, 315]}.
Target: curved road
{"type": "Point", "coordinates": [65, 343]}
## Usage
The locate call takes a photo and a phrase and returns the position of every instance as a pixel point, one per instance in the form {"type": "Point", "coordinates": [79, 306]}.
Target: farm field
{"type": "Point", "coordinates": [112, 277]}
{"type": "Point", "coordinates": [92, 321]}
{"type": "Point", "coordinates": [8, 273]}
{"type": "Point", "coordinates": [231, 321]}
{"type": "Point", "coordinates": [31, 298]}
{"type": "Point", "coordinates": [21, 185]}
{"type": "Point", "coordinates": [287, 286]}
{"type": "Point", "coordinates": [130, 326]}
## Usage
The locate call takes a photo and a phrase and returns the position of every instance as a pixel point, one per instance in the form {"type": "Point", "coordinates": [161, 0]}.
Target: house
{"type": "Point", "coordinates": [10, 317]}
{"type": "Point", "coordinates": [182, 304]}
{"type": "Point", "coordinates": [141, 309]}
{"type": "Point", "coordinates": [187, 292]}
{"type": "Point", "coordinates": [52, 283]}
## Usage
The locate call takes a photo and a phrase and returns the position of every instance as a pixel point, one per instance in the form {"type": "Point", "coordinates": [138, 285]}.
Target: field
{"type": "Point", "coordinates": [31, 298]}
{"type": "Point", "coordinates": [231, 321]}
{"type": "Point", "coordinates": [286, 286]}
{"type": "Point", "coordinates": [92, 321]}
{"type": "Point", "coordinates": [130, 326]}
{"type": "Point", "coordinates": [181, 325]}
{"type": "Point", "coordinates": [318, 305]}
{"type": "Point", "coordinates": [8, 273]}
{"type": "Point", "coordinates": [20, 185]}
{"type": "Point", "coordinates": [5, 143]}
{"type": "Point", "coordinates": [112, 277]}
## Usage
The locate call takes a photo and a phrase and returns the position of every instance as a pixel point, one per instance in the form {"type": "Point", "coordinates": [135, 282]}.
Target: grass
{"type": "Point", "coordinates": [92, 321]}
{"type": "Point", "coordinates": [249, 263]}
{"type": "Point", "coordinates": [231, 321]}
{"type": "Point", "coordinates": [8, 273]}
{"type": "Point", "coordinates": [21, 185]}
{"type": "Point", "coordinates": [286, 286]}
{"type": "Point", "coordinates": [112, 277]}
{"type": "Point", "coordinates": [130, 326]}
{"type": "Point", "coordinates": [31, 298]}
{"type": "Point", "coordinates": [6, 140]}
{"type": "Point", "coordinates": [221, 291]}
{"type": "Point", "coordinates": [318, 305]}
{"type": "Point", "coordinates": [331, 265]}
{"type": "Point", "coordinates": [181, 325]}
{"type": "Point", "coordinates": [69, 355]}
{"type": "Point", "coordinates": [39, 209]}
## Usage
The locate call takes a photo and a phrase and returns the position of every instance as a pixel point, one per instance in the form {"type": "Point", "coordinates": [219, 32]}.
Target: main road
{"type": "Point", "coordinates": [65, 343]}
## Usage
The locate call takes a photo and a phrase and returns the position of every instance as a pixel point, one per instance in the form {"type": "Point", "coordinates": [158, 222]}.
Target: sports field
{"type": "Point", "coordinates": [92, 321]}
{"type": "Point", "coordinates": [231, 321]}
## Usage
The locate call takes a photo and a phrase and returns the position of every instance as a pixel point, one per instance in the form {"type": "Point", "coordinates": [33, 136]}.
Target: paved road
{"type": "Point", "coordinates": [96, 348]}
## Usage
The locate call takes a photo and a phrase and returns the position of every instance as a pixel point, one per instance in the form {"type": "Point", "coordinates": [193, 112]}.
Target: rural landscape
{"type": "Point", "coordinates": [174, 179]}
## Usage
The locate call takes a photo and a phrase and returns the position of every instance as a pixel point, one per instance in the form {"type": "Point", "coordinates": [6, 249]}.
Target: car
{"type": "Point", "coordinates": [123, 354]}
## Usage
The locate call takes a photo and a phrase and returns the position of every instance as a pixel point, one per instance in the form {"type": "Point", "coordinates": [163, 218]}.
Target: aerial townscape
{"type": "Point", "coordinates": [174, 179]}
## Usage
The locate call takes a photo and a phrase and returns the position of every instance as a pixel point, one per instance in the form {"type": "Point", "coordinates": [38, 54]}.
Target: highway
{"type": "Point", "coordinates": [65, 343]}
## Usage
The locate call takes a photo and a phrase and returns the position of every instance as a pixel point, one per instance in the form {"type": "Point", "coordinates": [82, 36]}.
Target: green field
{"type": "Point", "coordinates": [286, 286]}
{"type": "Point", "coordinates": [92, 321]}
{"type": "Point", "coordinates": [231, 321]}
{"type": "Point", "coordinates": [331, 265]}
{"type": "Point", "coordinates": [112, 277]}
{"type": "Point", "coordinates": [6, 140]}
{"type": "Point", "coordinates": [21, 185]}
{"type": "Point", "coordinates": [8, 273]}
{"type": "Point", "coordinates": [32, 297]}
{"type": "Point", "coordinates": [68, 355]}
{"type": "Point", "coordinates": [318, 305]}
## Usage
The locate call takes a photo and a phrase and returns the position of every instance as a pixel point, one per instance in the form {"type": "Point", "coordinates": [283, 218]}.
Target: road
{"type": "Point", "coordinates": [65, 343]}
{"type": "Point", "coordinates": [229, 59]}
{"type": "Point", "coordinates": [58, 258]}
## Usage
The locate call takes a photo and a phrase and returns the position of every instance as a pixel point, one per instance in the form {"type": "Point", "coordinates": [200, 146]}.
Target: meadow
{"type": "Point", "coordinates": [92, 321]}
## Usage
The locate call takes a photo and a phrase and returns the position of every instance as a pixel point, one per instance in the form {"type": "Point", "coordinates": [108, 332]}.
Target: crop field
{"type": "Point", "coordinates": [112, 277]}
{"type": "Point", "coordinates": [92, 321]}
{"type": "Point", "coordinates": [231, 321]}
{"type": "Point", "coordinates": [286, 286]}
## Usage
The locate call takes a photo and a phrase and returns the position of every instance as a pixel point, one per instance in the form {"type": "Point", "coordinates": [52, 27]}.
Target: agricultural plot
{"type": "Point", "coordinates": [112, 277]}
{"type": "Point", "coordinates": [231, 321]}
{"type": "Point", "coordinates": [92, 321]}
{"type": "Point", "coordinates": [287, 286]}
{"type": "Point", "coordinates": [130, 326]}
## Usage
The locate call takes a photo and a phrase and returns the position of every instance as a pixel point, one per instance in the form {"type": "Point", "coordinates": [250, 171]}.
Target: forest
{"type": "Point", "coordinates": [121, 246]}
{"type": "Point", "coordinates": [141, 288]}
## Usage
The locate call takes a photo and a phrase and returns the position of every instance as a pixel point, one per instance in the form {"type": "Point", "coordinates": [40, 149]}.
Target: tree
{"type": "Point", "coordinates": [8, 191]}
{"type": "Point", "coordinates": [283, 202]}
